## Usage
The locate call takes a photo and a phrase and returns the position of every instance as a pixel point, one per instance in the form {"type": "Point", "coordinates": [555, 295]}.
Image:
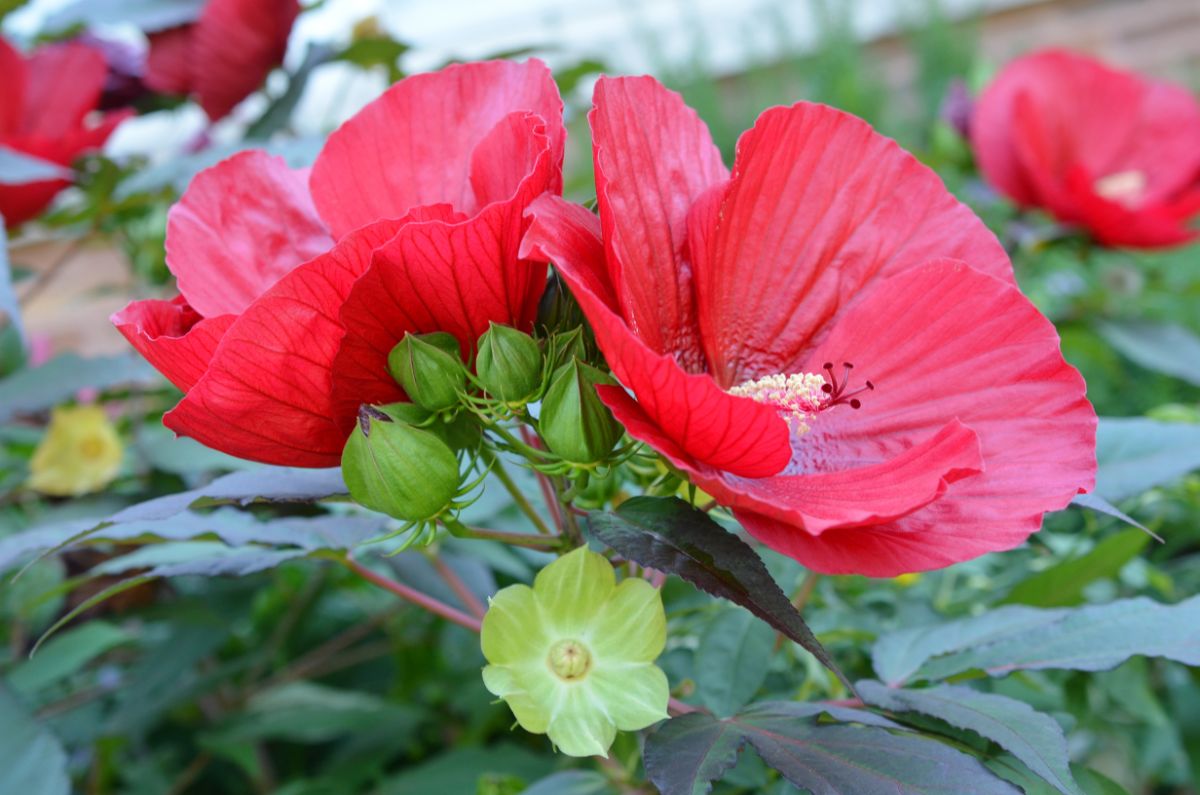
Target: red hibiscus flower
{"type": "Point", "coordinates": [1110, 151]}
{"type": "Point", "coordinates": [825, 341]}
{"type": "Point", "coordinates": [45, 100]}
{"type": "Point", "coordinates": [280, 332]}
{"type": "Point", "coordinates": [224, 55]}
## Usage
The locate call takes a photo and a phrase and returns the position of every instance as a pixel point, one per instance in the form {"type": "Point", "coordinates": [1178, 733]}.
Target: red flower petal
{"type": "Point", "coordinates": [12, 88]}
{"type": "Point", "coordinates": [240, 226]}
{"type": "Point", "coordinates": [267, 393]}
{"type": "Point", "coordinates": [731, 433]}
{"type": "Point", "coordinates": [653, 158]}
{"type": "Point", "coordinates": [237, 43]}
{"type": "Point", "coordinates": [65, 81]}
{"type": "Point", "coordinates": [172, 337]}
{"type": "Point", "coordinates": [414, 145]}
{"type": "Point", "coordinates": [442, 274]}
{"type": "Point", "coordinates": [1054, 125]}
{"type": "Point", "coordinates": [819, 206]}
{"type": "Point", "coordinates": [170, 60]}
{"type": "Point", "coordinates": [973, 348]}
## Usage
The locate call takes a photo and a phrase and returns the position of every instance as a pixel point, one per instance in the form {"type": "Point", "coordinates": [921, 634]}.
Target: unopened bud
{"type": "Point", "coordinates": [509, 365]}
{"type": "Point", "coordinates": [460, 433]}
{"type": "Point", "coordinates": [574, 423]}
{"type": "Point", "coordinates": [394, 468]}
{"type": "Point", "coordinates": [429, 368]}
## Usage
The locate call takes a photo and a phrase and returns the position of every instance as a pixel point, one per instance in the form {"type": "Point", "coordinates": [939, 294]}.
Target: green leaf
{"type": "Point", "coordinates": [900, 654]}
{"type": "Point", "coordinates": [667, 534]}
{"type": "Point", "coordinates": [18, 168]}
{"type": "Point", "coordinates": [1095, 502]}
{"type": "Point", "coordinates": [732, 661]}
{"type": "Point", "coordinates": [32, 761]}
{"type": "Point", "coordinates": [1013, 638]}
{"type": "Point", "coordinates": [1136, 454]}
{"type": "Point", "coordinates": [10, 309]}
{"type": "Point", "coordinates": [279, 112]}
{"type": "Point", "coordinates": [687, 753]}
{"type": "Point", "coordinates": [571, 782]}
{"type": "Point", "coordinates": [304, 712]}
{"type": "Point", "coordinates": [268, 484]}
{"type": "Point", "coordinates": [67, 654]}
{"type": "Point", "coordinates": [58, 380]}
{"type": "Point", "coordinates": [1034, 738]}
{"type": "Point", "coordinates": [148, 15]}
{"type": "Point", "coordinates": [182, 559]}
{"type": "Point", "coordinates": [460, 770]}
{"type": "Point", "coordinates": [1163, 347]}
{"type": "Point", "coordinates": [235, 528]}
{"type": "Point", "coordinates": [1062, 585]}
{"type": "Point", "coordinates": [175, 174]}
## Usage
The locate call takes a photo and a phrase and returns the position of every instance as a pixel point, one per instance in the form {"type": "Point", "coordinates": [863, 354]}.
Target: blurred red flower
{"type": "Point", "coordinates": [45, 102]}
{"type": "Point", "coordinates": [224, 55]}
{"type": "Point", "coordinates": [730, 307]}
{"type": "Point", "coordinates": [410, 221]}
{"type": "Point", "coordinates": [1110, 151]}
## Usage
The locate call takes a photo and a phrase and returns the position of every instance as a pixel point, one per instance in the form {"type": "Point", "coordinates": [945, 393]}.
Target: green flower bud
{"type": "Point", "coordinates": [394, 468]}
{"type": "Point", "coordinates": [509, 365]}
{"type": "Point", "coordinates": [568, 345]}
{"type": "Point", "coordinates": [574, 423]}
{"type": "Point", "coordinates": [429, 368]}
{"type": "Point", "coordinates": [573, 656]}
{"type": "Point", "coordinates": [461, 432]}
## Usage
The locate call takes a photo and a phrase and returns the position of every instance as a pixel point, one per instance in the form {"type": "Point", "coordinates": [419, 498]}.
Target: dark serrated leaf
{"type": "Point", "coordinates": [686, 754]}
{"type": "Point", "coordinates": [667, 534]}
{"type": "Point", "coordinates": [1034, 738]}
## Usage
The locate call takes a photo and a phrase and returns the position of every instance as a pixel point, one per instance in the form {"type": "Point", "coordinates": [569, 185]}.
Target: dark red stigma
{"type": "Point", "coordinates": [837, 390]}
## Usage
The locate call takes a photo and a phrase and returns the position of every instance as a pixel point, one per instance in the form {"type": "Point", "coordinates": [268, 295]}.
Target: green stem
{"type": "Point", "coordinates": [515, 492]}
{"type": "Point", "coordinates": [547, 543]}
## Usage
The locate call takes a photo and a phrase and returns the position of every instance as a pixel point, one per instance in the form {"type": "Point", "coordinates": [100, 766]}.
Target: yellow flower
{"type": "Point", "coordinates": [80, 453]}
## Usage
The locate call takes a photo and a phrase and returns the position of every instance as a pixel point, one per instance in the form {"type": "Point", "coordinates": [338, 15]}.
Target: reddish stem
{"type": "Point", "coordinates": [459, 587]}
{"type": "Point", "coordinates": [677, 707]}
{"type": "Point", "coordinates": [548, 494]}
{"type": "Point", "coordinates": [416, 597]}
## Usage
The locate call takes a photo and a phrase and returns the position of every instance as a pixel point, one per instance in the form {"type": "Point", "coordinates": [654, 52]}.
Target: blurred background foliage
{"type": "Point", "coordinates": [301, 679]}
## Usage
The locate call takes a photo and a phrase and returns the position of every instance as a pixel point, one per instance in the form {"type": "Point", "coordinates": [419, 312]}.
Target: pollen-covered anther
{"type": "Point", "coordinates": [798, 397]}
{"type": "Point", "coordinates": [1123, 187]}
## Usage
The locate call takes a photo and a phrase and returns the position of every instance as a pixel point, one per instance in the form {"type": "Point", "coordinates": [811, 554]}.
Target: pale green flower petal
{"type": "Point", "coordinates": [581, 726]}
{"type": "Point", "coordinates": [634, 696]}
{"type": "Point", "coordinates": [514, 629]}
{"type": "Point", "coordinates": [631, 626]}
{"type": "Point", "coordinates": [530, 710]}
{"type": "Point", "coordinates": [573, 589]}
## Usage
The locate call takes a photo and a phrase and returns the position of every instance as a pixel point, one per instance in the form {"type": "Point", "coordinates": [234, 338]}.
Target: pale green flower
{"type": "Point", "coordinates": [573, 656]}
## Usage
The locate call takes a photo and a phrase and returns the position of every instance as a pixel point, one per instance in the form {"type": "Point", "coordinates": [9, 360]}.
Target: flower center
{"type": "Point", "coordinates": [1123, 187]}
{"type": "Point", "coordinates": [92, 448]}
{"type": "Point", "coordinates": [569, 660]}
{"type": "Point", "coordinates": [799, 397]}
